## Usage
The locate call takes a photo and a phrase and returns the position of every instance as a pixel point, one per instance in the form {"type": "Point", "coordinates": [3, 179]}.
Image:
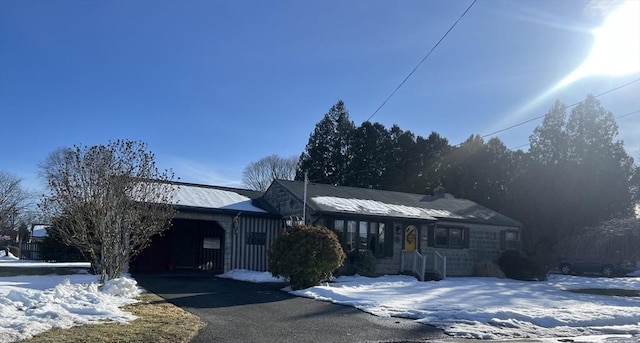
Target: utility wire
{"type": "Point", "coordinates": [572, 105]}
{"type": "Point", "coordinates": [502, 130]}
{"type": "Point", "coordinates": [421, 61]}
{"type": "Point", "coordinates": [618, 117]}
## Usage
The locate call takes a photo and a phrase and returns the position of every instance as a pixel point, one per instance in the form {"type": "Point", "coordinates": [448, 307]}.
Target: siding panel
{"type": "Point", "coordinates": [253, 256]}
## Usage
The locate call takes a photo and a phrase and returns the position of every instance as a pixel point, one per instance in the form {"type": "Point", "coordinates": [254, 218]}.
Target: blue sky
{"type": "Point", "coordinates": [214, 85]}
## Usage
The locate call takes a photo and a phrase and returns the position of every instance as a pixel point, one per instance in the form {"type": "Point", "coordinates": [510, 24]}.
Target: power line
{"type": "Point", "coordinates": [502, 130]}
{"type": "Point", "coordinates": [423, 59]}
{"type": "Point", "coordinates": [572, 105]}
{"type": "Point", "coordinates": [618, 117]}
{"type": "Point", "coordinates": [628, 114]}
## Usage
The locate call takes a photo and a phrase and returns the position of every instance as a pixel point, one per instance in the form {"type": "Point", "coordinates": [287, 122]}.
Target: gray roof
{"type": "Point", "coordinates": [372, 202]}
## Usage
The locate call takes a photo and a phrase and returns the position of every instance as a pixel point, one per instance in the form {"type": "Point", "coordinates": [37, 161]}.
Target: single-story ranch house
{"type": "Point", "coordinates": [219, 228]}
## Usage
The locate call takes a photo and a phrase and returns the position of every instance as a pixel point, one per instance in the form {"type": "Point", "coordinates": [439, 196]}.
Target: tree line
{"type": "Point", "coordinates": [575, 174]}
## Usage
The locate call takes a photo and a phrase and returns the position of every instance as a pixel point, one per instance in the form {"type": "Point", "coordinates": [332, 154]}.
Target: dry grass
{"type": "Point", "coordinates": [158, 321]}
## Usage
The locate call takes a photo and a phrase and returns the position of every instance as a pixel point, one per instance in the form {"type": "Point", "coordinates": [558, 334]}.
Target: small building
{"type": "Point", "coordinates": [216, 229]}
{"type": "Point", "coordinates": [395, 226]}
{"type": "Point", "coordinates": [220, 228]}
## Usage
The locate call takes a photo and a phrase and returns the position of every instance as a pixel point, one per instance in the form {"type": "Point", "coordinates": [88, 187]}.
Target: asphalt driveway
{"type": "Point", "coordinates": [238, 311]}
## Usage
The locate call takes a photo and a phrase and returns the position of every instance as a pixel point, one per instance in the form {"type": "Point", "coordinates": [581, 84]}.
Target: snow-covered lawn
{"type": "Point", "coordinates": [36, 303]}
{"type": "Point", "coordinates": [489, 308]}
{"type": "Point", "coordinates": [486, 308]}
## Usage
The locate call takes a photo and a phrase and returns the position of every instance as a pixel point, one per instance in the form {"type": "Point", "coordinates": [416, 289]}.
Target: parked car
{"type": "Point", "coordinates": [604, 268]}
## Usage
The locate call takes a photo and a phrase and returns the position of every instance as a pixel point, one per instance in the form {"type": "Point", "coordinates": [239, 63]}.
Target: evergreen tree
{"type": "Point", "coordinates": [579, 174]}
{"type": "Point", "coordinates": [548, 143]}
{"type": "Point", "coordinates": [328, 154]}
{"type": "Point", "coordinates": [371, 148]}
{"type": "Point", "coordinates": [403, 163]}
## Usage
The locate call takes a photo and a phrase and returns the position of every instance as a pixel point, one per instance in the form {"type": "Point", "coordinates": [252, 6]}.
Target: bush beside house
{"type": "Point", "coordinates": [305, 255]}
{"type": "Point", "coordinates": [516, 265]}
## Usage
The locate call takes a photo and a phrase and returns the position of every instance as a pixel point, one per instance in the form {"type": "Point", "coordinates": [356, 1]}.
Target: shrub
{"type": "Point", "coordinates": [519, 267]}
{"type": "Point", "coordinates": [305, 255]}
{"type": "Point", "coordinates": [360, 262]}
{"type": "Point", "coordinates": [51, 249]}
{"type": "Point", "coordinates": [487, 269]}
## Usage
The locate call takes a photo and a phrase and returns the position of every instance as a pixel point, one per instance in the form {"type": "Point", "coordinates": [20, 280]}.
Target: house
{"type": "Point", "coordinates": [215, 229]}
{"type": "Point", "coordinates": [220, 228]}
{"type": "Point", "coordinates": [395, 226]}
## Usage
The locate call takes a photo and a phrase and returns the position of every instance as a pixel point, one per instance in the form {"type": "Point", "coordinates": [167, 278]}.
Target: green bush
{"type": "Point", "coordinates": [517, 266]}
{"type": "Point", "coordinates": [361, 262]}
{"type": "Point", "coordinates": [305, 255]}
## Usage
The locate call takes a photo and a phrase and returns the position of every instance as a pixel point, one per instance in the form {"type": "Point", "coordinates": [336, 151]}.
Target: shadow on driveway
{"type": "Point", "coordinates": [238, 311]}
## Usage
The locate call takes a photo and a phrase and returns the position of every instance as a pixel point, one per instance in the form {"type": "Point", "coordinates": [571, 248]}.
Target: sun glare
{"type": "Point", "coordinates": [615, 52]}
{"type": "Point", "coordinates": [616, 47]}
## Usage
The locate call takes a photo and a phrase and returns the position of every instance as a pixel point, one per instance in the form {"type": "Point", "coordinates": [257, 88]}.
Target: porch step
{"type": "Point", "coordinates": [432, 276]}
{"type": "Point", "coordinates": [428, 275]}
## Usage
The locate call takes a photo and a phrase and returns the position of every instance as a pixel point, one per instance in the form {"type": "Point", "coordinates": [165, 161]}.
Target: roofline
{"type": "Point", "coordinates": [480, 222]}
{"type": "Point", "coordinates": [194, 209]}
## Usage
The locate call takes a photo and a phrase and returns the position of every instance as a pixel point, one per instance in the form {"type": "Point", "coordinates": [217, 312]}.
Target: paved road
{"type": "Point", "coordinates": [245, 312]}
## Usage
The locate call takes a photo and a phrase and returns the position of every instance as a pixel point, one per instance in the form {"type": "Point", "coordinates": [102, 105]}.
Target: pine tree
{"type": "Point", "coordinates": [328, 154]}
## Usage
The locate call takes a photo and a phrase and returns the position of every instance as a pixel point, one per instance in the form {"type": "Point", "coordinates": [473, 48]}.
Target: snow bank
{"type": "Point", "coordinates": [251, 276]}
{"type": "Point", "coordinates": [33, 304]}
{"type": "Point", "coordinates": [489, 308]}
{"type": "Point", "coordinates": [8, 258]}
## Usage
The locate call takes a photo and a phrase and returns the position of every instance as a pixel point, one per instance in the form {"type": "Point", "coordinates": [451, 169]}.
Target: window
{"type": "Point", "coordinates": [455, 238]}
{"type": "Point", "coordinates": [364, 235]}
{"type": "Point", "coordinates": [448, 237]}
{"type": "Point", "coordinates": [256, 238]}
{"type": "Point", "coordinates": [510, 240]}
{"type": "Point", "coordinates": [351, 236]}
{"type": "Point", "coordinates": [442, 237]}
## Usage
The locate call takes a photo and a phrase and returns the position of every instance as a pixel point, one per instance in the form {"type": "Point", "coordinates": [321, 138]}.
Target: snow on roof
{"type": "Point", "coordinates": [206, 197]}
{"type": "Point", "coordinates": [374, 207]}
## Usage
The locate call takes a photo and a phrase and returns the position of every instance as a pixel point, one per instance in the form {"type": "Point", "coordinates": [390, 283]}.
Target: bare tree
{"type": "Point", "coordinates": [14, 204]}
{"type": "Point", "coordinates": [259, 175]}
{"type": "Point", "coordinates": [108, 201]}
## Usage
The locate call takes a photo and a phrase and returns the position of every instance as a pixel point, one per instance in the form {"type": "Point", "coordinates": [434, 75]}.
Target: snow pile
{"type": "Point", "coordinates": [33, 304]}
{"type": "Point", "coordinates": [121, 287]}
{"type": "Point", "coordinates": [490, 308]}
{"type": "Point", "coordinates": [8, 258]}
{"type": "Point", "coordinates": [251, 276]}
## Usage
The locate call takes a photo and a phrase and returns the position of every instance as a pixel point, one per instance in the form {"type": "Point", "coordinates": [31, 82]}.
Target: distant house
{"type": "Point", "coordinates": [219, 228]}
{"type": "Point", "coordinates": [38, 232]}
{"type": "Point", "coordinates": [394, 225]}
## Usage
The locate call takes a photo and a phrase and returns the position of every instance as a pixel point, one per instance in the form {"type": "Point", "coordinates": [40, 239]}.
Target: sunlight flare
{"type": "Point", "coordinates": [616, 47]}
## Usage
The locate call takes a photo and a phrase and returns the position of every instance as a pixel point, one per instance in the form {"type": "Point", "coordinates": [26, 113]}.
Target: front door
{"type": "Point", "coordinates": [410, 238]}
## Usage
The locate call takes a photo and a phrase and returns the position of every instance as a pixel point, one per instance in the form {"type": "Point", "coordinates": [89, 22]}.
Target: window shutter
{"type": "Point", "coordinates": [503, 240]}
{"type": "Point", "coordinates": [431, 233]}
{"type": "Point", "coordinates": [466, 237]}
{"type": "Point", "coordinates": [388, 240]}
